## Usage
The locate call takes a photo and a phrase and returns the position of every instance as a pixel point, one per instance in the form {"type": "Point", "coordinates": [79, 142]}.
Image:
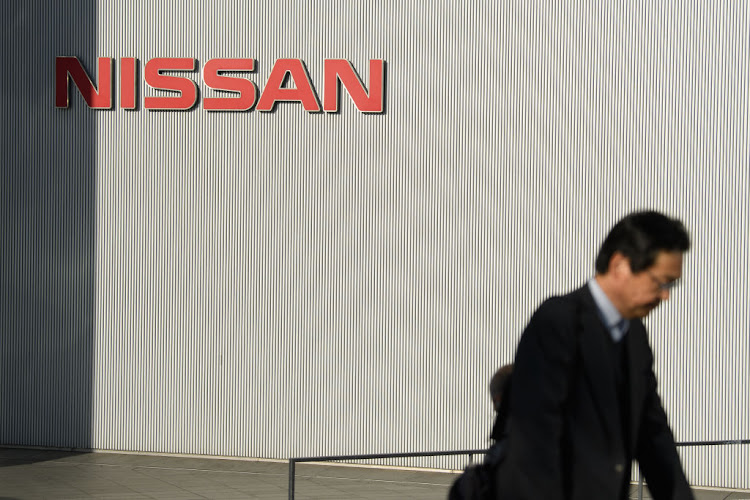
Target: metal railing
{"type": "Point", "coordinates": [336, 458]}
{"type": "Point", "coordinates": [693, 443]}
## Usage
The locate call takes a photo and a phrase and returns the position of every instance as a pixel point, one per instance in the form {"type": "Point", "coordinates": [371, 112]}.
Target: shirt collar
{"type": "Point", "coordinates": [609, 314]}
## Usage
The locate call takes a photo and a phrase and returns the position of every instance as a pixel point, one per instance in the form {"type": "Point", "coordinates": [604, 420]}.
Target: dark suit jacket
{"type": "Point", "coordinates": [565, 430]}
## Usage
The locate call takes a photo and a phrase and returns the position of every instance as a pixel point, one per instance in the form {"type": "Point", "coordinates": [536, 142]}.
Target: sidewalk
{"type": "Point", "coordinates": [36, 474]}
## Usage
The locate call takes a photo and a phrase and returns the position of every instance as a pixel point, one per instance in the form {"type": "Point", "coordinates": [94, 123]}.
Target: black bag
{"type": "Point", "coordinates": [477, 482]}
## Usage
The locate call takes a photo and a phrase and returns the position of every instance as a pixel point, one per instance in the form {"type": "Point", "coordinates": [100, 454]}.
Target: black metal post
{"type": "Point", "coordinates": [291, 478]}
{"type": "Point", "coordinates": [640, 485]}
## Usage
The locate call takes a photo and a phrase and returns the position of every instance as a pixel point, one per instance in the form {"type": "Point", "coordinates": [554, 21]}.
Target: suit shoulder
{"type": "Point", "coordinates": [554, 320]}
{"type": "Point", "coordinates": [551, 332]}
{"type": "Point", "coordinates": [559, 308]}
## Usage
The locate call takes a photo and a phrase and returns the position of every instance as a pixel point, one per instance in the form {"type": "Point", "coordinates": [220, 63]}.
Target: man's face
{"type": "Point", "coordinates": [644, 290]}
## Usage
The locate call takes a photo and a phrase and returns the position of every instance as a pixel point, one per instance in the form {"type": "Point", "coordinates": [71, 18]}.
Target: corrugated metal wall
{"type": "Point", "coordinates": [47, 223]}
{"type": "Point", "coordinates": [287, 284]}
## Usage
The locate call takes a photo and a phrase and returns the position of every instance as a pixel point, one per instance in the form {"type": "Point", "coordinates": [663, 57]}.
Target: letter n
{"type": "Point", "coordinates": [70, 67]}
{"type": "Point", "coordinates": [341, 71]}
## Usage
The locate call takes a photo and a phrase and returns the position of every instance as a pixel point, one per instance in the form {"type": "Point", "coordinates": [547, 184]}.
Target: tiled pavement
{"type": "Point", "coordinates": [35, 474]}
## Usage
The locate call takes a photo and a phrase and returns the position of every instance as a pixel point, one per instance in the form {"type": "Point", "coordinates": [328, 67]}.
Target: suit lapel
{"type": "Point", "coordinates": [598, 361]}
{"type": "Point", "coordinates": [636, 379]}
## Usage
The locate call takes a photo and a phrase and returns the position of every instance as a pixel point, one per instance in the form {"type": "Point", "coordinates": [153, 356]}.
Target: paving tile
{"type": "Point", "coordinates": [266, 493]}
{"type": "Point", "coordinates": [268, 496]}
{"type": "Point", "coordinates": [177, 496]}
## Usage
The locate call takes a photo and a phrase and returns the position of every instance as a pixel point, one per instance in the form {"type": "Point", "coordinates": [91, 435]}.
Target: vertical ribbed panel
{"type": "Point", "coordinates": [289, 284]}
{"type": "Point", "coordinates": [47, 223]}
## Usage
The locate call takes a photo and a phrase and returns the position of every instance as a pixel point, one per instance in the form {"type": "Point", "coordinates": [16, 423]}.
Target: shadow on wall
{"type": "Point", "coordinates": [48, 203]}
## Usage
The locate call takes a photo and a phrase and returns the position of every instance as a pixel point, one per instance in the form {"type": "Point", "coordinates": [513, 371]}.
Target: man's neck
{"type": "Point", "coordinates": [610, 290]}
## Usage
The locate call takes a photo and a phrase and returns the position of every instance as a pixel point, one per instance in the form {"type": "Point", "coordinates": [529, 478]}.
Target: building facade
{"type": "Point", "coordinates": [296, 283]}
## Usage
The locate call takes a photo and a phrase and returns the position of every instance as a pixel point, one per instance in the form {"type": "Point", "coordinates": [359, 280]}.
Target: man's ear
{"type": "Point", "coordinates": [619, 265]}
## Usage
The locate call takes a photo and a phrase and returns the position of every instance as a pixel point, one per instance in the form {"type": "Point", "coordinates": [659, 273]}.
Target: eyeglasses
{"type": "Point", "coordinates": [663, 286]}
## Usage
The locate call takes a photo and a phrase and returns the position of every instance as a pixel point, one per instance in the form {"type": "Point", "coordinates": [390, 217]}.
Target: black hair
{"type": "Point", "coordinates": [640, 236]}
{"type": "Point", "coordinates": [500, 383]}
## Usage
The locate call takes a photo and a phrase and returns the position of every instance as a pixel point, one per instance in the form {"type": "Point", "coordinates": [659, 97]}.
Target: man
{"type": "Point", "coordinates": [500, 394]}
{"type": "Point", "coordinates": [584, 401]}
{"type": "Point", "coordinates": [478, 480]}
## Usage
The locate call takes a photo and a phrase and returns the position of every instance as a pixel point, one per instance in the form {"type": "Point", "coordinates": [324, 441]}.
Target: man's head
{"type": "Point", "coordinates": [500, 385]}
{"type": "Point", "coordinates": [640, 260]}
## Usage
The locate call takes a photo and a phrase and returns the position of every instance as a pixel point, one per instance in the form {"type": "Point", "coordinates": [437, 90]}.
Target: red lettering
{"type": "Point", "coordinates": [341, 71]}
{"type": "Point", "coordinates": [274, 92]}
{"type": "Point", "coordinates": [186, 87]}
{"type": "Point", "coordinates": [289, 81]}
{"type": "Point", "coordinates": [213, 79]}
{"type": "Point", "coordinates": [71, 67]}
{"type": "Point", "coordinates": [127, 82]}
